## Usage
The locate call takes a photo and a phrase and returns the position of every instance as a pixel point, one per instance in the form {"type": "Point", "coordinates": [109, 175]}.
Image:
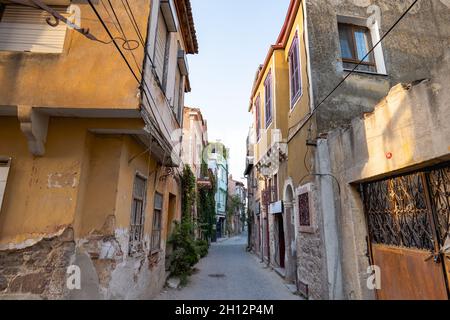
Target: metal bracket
{"type": "Point", "coordinates": [38, 4]}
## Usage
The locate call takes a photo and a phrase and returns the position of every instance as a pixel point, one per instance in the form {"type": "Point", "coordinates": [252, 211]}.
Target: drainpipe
{"type": "Point", "coordinates": [329, 212]}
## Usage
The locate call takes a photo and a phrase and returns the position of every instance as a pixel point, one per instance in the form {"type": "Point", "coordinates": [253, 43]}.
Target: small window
{"type": "Point", "coordinates": [5, 164]}
{"type": "Point", "coordinates": [356, 42]}
{"type": "Point", "coordinates": [137, 214]}
{"type": "Point", "coordinates": [157, 222]}
{"type": "Point", "coordinates": [268, 99]}
{"type": "Point", "coordinates": [303, 209]}
{"type": "Point", "coordinates": [258, 118]}
{"type": "Point", "coordinates": [295, 71]}
{"type": "Point", "coordinates": [25, 29]}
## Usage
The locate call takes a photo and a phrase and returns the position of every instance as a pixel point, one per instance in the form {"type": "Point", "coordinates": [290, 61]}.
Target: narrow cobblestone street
{"type": "Point", "coordinates": [231, 273]}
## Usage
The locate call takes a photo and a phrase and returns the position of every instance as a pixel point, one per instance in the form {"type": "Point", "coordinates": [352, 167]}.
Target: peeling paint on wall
{"type": "Point", "coordinates": [62, 180]}
{"type": "Point", "coordinates": [33, 240]}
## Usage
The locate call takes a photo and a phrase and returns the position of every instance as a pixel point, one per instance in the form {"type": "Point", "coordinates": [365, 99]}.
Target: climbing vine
{"type": "Point", "coordinates": [206, 205]}
{"type": "Point", "coordinates": [188, 182]}
{"type": "Point", "coordinates": [186, 250]}
{"type": "Point", "coordinates": [234, 204]}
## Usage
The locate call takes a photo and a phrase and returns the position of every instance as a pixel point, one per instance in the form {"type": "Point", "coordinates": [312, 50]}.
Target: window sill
{"type": "Point", "coordinates": [295, 101]}
{"type": "Point", "coordinates": [366, 72]}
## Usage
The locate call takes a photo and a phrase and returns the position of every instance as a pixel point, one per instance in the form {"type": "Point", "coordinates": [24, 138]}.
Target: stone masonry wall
{"type": "Point", "coordinates": [38, 270]}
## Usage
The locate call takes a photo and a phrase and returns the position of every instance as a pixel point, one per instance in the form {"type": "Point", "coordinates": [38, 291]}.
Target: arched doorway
{"type": "Point", "coordinates": [289, 212]}
{"type": "Point", "coordinates": [281, 241]}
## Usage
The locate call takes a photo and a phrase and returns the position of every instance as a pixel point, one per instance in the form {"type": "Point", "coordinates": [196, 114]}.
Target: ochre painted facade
{"type": "Point", "coordinates": [80, 133]}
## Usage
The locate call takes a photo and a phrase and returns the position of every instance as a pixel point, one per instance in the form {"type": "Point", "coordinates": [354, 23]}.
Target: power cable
{"type": "Point", "coordinates": [157, 127]}
{"type": "Point", "coordinates": [308, 118]}
{"type": "Point", "coordinates": [121, 31]}
{"type": "Point", "coordinates": [138, 32]}
{"type": "Point", "coordinates": [134, 22]}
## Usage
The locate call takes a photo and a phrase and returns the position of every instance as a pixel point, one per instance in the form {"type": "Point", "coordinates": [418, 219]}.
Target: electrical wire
{"type": "Point", "coordinates": [308, 118]}
{"type": "Point", "coordinates": [113, 39]}
{"type": "Point", "coordinates": [121, 31]}
{"type": "Point", "coordinates": [134, 22]}
{"type": "Point", "coordinates": [138, 32]}
{"type": "Point", "coordinates": [156, 125]}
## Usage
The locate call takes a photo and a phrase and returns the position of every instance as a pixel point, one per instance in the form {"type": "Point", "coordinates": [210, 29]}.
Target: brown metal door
{"type": "Point", "coordinates": [405, 226]}
{"type": "Point", "coordinates": [439, 182]}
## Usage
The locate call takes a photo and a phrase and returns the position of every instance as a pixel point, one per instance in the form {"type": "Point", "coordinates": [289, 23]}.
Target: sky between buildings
{"type": "Point", "coordinates": [234, 37]}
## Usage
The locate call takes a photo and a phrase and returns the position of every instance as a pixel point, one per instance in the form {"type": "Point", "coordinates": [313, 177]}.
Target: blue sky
{"type": "Point", "coordinates": [234, 37]}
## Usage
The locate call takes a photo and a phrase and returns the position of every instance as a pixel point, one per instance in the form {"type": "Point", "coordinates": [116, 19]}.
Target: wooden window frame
{"type": "Point", "coordinates": [157, 229]}
{"type": "Point", "coordinates": [2, 9]}
{"type": "Point", "coordinates": [353, 47]}
{"type": "Point", "coordinates": [142, 199]}
{"type": "Point", "coordinates": [295, 64]}
{"type": "Point", "coordinates": [268, 100]}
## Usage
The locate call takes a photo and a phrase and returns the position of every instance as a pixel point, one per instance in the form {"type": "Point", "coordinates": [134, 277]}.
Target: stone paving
{"type": "Point", "coordinates": [231, 273]}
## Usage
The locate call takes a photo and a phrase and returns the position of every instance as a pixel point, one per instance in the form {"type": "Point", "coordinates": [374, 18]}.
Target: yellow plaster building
{"type": "Point", "coordinates": [90, 154]}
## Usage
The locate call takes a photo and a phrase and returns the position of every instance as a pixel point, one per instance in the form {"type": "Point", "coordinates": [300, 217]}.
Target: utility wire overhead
{"type": "Point", "coordinates": [138, 32]}
{"type": "Point", "coordinates": [308, 118]}
{"type": "Point", "coordinates": [156, 125]}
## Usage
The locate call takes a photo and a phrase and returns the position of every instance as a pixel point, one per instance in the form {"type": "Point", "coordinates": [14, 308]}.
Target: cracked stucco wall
{"type": "Point", "coordinates": [73, 207]}
{"type": "Point", "coordinates": [411, 124]}
{"type": "Point", "coordinates": [410, 51]}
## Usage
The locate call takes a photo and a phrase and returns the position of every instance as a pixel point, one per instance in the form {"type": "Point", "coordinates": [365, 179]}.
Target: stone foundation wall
{"type": "Point", "coordinates": [106, 270]}
{"type": "Point", "coordinates": [310, 265]}
{"type": "Point", "coordinates": [37, 270]}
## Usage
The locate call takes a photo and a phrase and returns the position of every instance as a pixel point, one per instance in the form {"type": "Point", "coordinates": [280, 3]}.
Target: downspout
{"type": "Point", "coordinates": [330, 212]}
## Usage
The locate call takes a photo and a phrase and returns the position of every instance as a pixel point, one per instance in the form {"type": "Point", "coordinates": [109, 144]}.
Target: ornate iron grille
{"type": "Point", "coordinates": [303, 209]}
{"type": "Point", "coordinates": [397, 212]}
{"type": "Point", "coordinates": [439, 181]}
